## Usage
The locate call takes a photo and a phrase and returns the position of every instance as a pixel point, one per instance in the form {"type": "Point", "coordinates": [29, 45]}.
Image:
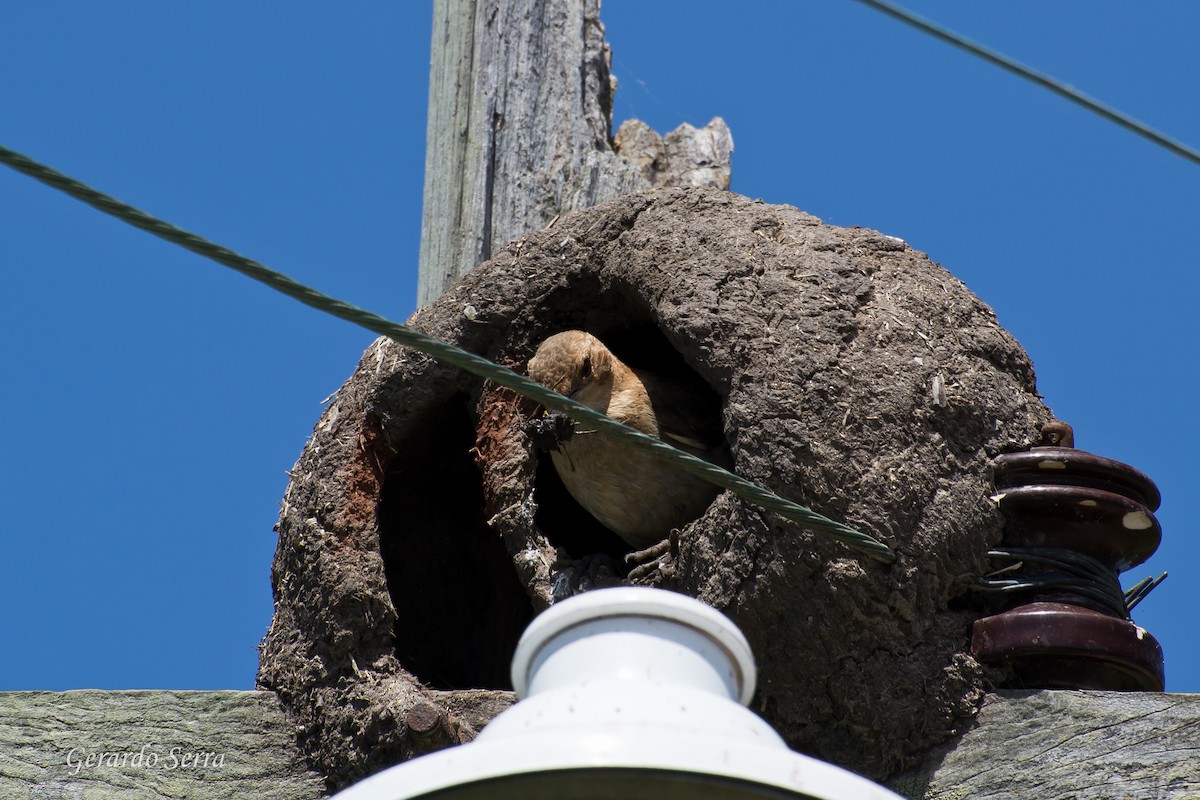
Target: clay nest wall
{"type": "Point", "coordinates": [422, 530]}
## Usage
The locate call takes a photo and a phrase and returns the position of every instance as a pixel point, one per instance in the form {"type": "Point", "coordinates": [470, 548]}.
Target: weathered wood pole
{"type": "Point", "coordinates": [520, 113]}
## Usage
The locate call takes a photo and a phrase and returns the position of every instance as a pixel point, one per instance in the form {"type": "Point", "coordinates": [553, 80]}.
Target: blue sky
{"type": "Point", "coordinates": [153, 400]}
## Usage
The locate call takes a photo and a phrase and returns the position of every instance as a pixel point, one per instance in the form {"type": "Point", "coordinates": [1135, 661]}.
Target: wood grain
{"type": "Point", "coordinates": [1067, 744]}
{"type": "Point", "coordinates": [150, 744]}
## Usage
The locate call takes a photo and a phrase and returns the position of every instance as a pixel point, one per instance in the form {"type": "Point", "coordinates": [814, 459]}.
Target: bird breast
{"type": "Point", "coordinates": [632, 494]}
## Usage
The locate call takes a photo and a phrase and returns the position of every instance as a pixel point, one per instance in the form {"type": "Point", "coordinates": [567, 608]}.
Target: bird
{"type": "Point", "coordinates": [633, 494]}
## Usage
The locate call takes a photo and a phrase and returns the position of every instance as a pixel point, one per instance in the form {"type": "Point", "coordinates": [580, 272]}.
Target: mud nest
{"type": "Point", "coordinates": [422, 530]}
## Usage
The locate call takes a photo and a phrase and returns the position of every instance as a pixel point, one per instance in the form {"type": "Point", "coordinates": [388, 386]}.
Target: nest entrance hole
{"type": "Point", "coordinates": [460, 608]}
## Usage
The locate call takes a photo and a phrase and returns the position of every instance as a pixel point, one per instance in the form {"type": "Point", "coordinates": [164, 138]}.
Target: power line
{"type": "Point", "coordinates": [1030, 74]}
{"type": "Point", "coordinates": [444, 351]}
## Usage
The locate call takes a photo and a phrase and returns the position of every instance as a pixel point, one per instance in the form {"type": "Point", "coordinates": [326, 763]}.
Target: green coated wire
{"type": "Point", "coordinates": [1139, 591]}
{"type": "Point", "coordinates": [1004, 62]}
{"type": "Point", "coordinates": [448, 353]}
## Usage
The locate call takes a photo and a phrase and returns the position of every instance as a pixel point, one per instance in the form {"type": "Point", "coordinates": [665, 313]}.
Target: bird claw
{"type": "Point", "coordinates": [651, 559]}
{"type": "Point", "coordinates": [644, 570]}
{"type": "Point", "coordinates": [550, 431]}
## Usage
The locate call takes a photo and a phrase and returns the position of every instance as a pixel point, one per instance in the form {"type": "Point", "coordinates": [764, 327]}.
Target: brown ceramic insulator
{"type": "Point", "coordinates": [1065, 466]}
{"type": "Point", "coordinates": [1112, 528]}
{"type": "Point", "coordinates": [1056, 645]}
{"type": "Point", "coordinates": [1056, 498]}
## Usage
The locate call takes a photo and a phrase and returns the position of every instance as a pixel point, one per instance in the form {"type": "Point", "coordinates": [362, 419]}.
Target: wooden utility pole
{"type": "Point", "coordinates": [520, 110]}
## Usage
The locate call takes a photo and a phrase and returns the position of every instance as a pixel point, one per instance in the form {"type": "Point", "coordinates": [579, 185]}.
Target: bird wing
{"type": "Point", "coordinates": [689, 417]}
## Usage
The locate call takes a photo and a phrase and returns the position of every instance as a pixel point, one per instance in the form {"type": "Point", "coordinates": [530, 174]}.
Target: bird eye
{"type": "Point", "coordinates": [585, 367]}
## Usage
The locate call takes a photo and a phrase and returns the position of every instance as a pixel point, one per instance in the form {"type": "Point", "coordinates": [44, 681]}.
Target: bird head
{"type": "Point", "coordinates": [576, 364]}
